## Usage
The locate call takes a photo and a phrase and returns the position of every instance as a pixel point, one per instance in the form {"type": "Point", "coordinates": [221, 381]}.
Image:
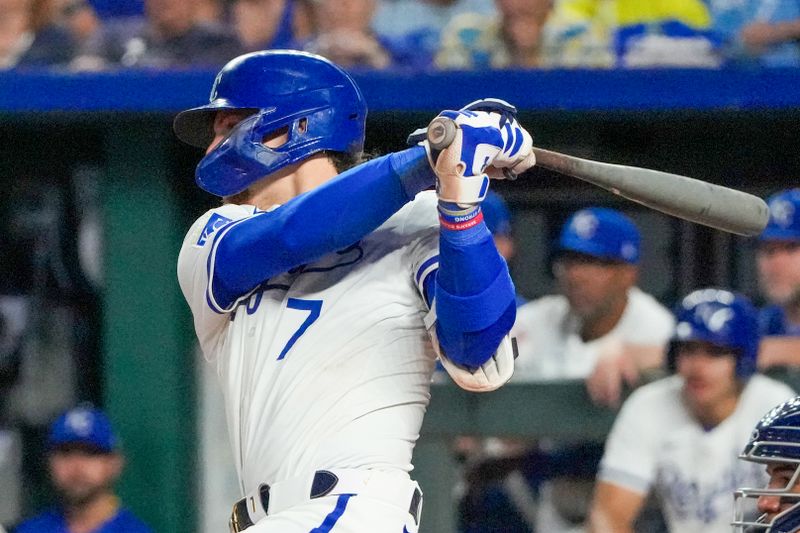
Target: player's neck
{"type": "Point", "coordinates": [711, 415]}
{"type": "Point", "coordinates": [88, 517]}
{"type": "Point", "coordinates": [290, 182]}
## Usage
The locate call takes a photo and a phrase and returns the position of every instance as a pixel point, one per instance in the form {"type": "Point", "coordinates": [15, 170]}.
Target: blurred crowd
{"type": "Point", "coordinates": [92, 35]}
{"type": "Point", "coordinates": [670, 461]}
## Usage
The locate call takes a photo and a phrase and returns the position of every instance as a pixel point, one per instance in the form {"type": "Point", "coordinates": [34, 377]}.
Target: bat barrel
{"type": "Point", "coordinates": [687, 198]}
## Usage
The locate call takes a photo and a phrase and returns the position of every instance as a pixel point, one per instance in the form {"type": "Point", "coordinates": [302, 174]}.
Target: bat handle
{"type": "Point", "coordinates": [441, 132]}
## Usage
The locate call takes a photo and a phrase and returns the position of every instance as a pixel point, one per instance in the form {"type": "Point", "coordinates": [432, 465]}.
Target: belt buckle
{"type": "Point", "coordinates": [240, 517]}
{"type": "Point", "coordinates": [233, 523]}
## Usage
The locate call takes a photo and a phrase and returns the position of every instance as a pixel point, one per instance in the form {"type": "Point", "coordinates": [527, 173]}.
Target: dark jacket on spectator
{"type": "Point", "coordinates": [132, 43]}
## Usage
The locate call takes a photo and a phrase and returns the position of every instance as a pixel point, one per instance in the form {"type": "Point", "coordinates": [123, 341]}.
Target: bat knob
{"type": "Point", "coordinates": [441, 132]}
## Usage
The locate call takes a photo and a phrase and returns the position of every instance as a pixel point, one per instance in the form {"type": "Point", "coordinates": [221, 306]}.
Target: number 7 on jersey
{"type": "Point", "coordinates": [314, 307]}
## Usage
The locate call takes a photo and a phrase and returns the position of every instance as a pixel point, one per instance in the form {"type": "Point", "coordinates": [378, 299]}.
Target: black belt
{"type": "Point", "coordinates": [324, 482]}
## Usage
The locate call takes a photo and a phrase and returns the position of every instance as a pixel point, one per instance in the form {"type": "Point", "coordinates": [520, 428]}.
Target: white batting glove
{"type": "Point", "coordinates": [482, 141]}
{"type": "Point", "coordinates": [461, 167]}
{"type": "Point", "coordinates": [519, 156]}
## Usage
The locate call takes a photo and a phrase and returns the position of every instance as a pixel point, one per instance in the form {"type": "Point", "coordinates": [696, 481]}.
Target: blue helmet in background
{"type": "Point", "coordinates": [784, 217]}
{"type": "Point", "coordinates": [603, 233]}
{"type": "Point", "coordinates": [721, 318]}
{"type": "Point", "coordinates": [317, 102]}
{"type": "Point", "coordinates": [83, 425]}
{"type": "Point", "coordinates": [775, 439]}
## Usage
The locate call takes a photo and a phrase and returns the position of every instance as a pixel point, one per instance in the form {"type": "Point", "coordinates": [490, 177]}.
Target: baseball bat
{"type": "Point", "coordinates": [698, 201]}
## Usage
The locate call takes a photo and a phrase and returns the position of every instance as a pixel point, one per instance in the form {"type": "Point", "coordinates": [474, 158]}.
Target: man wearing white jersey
{"type": "Point", "coordinates": [601, 327]}
{"type": "Point", "coordinates": [311, 287]}
{"type": "Point", "coordinates": [679, 437]}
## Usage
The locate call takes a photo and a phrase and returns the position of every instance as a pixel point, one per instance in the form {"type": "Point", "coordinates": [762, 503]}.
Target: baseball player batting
{"type": "Point", "coordinates": [323, 288]}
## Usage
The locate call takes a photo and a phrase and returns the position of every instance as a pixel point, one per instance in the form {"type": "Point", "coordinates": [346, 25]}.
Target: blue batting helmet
{"type": "Point", "coordinates": [721, 318]}
{"type": "Point", "coordinates": [784, 217]}
{"type": "Point", "coordinates": [775, 439]}
{"type": "Point", "coordinates": [603, 233]}
{"type": "Point", "coordinates": [318, 102]}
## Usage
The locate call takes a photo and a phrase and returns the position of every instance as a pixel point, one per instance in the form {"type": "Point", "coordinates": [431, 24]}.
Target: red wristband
{"type": "Point", "coordinates": [458, 226]}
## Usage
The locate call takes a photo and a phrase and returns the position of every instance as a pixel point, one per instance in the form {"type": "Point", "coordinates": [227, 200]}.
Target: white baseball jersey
{"type": "Point", "coordinates": [550, 344]}
{"type": "Point", "coordinates": [326, 366]}
{"type": "Point", "coordinates": [657, 444]}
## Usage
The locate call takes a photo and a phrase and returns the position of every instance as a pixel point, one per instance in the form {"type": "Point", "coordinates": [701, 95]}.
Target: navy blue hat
{"type": "Point", "coordinates": [603, 233]}
{"type": "Point", "coordinates": [784, 217]}
{"type": "Point", "coordinates": [86, 426]}
{"type": "Point", "coordinates": [496, 214]}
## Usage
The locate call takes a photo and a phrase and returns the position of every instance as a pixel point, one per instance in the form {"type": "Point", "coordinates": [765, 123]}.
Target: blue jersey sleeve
{"type": "Point", "coordinates": [328, 218]}
{"type": "Point", "coordinates": [474, 294]}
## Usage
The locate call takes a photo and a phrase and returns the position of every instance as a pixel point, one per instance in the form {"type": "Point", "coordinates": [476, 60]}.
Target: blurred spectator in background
{"type": "Point", "coordinates": [515, 38]}
{"type": "Point", "coordinates": [210, 12]}
{"type": "Point", "coordinates": [635, 33]}
{"type": "Point", "coordinates": [80, 19]}
{"type": "Point", "coordinates": [265, 24]}
{"type": "Point", "coordinates": [680, 437]}
{"type": "Point", "coordinates": [110, 9]}
{"type": "Point", "coordinates": [413, 27]}
{"type": "Point", "coordinates": [601, 328]}
{"type": "Point", "coordinates": [344, 34]}
{"type": "Point", "coordinates": [30, 37]}
{"type": "Point", "coordinates": [778, 261]}
{"type": "Point", "coordinates": [85, 462]}
{"type": "Point", "coordinates": [169, 36]}
{"type": "Point", "coordinates": [763, 32]}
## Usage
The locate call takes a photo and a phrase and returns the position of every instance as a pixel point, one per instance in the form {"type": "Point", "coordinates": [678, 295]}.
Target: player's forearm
{"type": "Point", "coordinates": [614, 508]}
{"type": "Point", "coordinates": [319, 222]}
{"type": "Point", "coordinates": [475, 303]}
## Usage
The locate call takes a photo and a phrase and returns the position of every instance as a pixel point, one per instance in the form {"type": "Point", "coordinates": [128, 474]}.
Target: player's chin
{"type": "Point", "coordinates": [80, 494]}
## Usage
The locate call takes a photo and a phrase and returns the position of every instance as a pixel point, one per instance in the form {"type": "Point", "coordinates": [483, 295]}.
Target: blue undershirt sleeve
{"type": "Point", "coordinates": [324, 220]}
{"type": "Point", "coordinates": [474, 294]}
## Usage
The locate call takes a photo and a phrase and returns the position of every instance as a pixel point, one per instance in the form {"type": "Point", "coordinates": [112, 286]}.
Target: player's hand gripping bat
{"type": "Point", "coordinates": [687, 198]}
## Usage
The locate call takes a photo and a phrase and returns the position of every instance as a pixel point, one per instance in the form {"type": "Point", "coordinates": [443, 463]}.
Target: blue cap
{"type": "Point", "coordinates": [86, 426]}
{"type": "Point", "coordinates": [496, 214]}
{"type": "Point", "coordinates": [784, 217]}
{"type": "Point", "coordinates": [603, 233]}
